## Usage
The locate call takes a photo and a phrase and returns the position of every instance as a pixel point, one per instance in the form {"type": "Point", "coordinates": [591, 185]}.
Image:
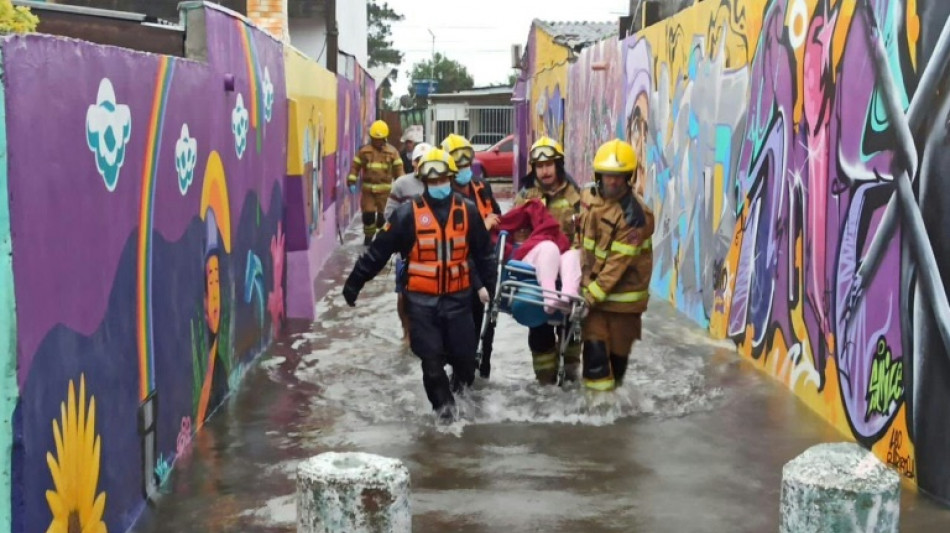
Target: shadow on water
{"type": "Point", "coordinates": [693, 441]}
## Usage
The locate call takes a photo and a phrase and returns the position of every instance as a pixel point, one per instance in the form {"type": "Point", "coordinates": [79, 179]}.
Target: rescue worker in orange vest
{"type": "Point", "coordinates": [553, 186]}
{"type": "Point", "coordinates": [380, 164]}
{"type": "Point", "coordinates": [616, 229]}
{"type": "Point", "coordinates": [443, 238]}
{"type": "Point", "coordinates": [480, 193]}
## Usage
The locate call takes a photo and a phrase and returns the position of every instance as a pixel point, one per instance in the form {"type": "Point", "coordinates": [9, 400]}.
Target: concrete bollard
{"type": "Point", "coordinates": [839, 487]}
{"type": "Point", "coordinates": [353, 493]}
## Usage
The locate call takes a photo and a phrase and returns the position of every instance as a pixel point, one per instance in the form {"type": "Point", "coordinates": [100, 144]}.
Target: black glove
{"type": "Point", "coordinates": [350, 292]}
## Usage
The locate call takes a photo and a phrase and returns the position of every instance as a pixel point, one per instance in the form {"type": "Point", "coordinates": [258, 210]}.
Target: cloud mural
{"type": "Point", "coordinates": [268, 95]}
{"type": "Point", "coordinates": [239, 125]}
{"type": "Point", "coordinates": [108, 128]}
{"type": "Point", "coordinates": [186, 157]}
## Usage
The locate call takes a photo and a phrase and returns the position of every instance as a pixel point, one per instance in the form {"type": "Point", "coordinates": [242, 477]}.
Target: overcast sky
{"type": "Point", "coordinates": [479, 33]}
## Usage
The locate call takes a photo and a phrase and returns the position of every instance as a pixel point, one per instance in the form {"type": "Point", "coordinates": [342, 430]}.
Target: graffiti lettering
{"type": "Point", "coordinates": [886, 387]}
{"type": "Point", "coordinates": [719, 275]}
{"type": "Point", "coordinates": [902, 463]}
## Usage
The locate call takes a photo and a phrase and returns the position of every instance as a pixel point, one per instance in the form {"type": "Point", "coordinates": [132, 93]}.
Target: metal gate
{"type": "Point", "coordinates": [483, 126]}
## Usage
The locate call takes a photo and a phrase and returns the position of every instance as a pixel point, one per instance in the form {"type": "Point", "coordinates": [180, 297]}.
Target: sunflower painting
{"type": "Point", "coordinates": [75, 506]}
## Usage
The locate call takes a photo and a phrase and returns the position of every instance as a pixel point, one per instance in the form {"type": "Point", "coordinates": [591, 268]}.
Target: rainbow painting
{"type": "Point", "coordinates": [254, 78]}
{"type": "Point", "coordinates": [143, 285]}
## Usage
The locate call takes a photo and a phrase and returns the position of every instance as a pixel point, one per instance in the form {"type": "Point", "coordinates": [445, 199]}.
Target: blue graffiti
{"type": "Point", "coordinates": [254, 283]}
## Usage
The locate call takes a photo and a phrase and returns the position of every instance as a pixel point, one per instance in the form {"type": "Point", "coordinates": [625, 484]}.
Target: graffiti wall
{"type": "Point", "coordinates": [146, 220]}
{"type": "Point", "coordinates": [777, 139]}
{"type": "Point", "coordinates": [548, 86]}
{"type": "Point", "coordinates": [595, 106]}
{"type": "Point", "coordinates": [310, 188]}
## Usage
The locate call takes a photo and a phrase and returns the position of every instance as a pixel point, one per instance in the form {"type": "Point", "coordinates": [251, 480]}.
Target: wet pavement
{"type": "Point", "coordinates": [695, 440]}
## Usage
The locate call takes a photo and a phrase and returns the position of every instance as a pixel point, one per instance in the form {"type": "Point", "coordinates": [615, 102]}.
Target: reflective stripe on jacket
{"type": "Point", "coordinates": [438, 262]}
{"type": "Point", "coordinates": [378, 166]}
{"type": "Point", "coordinates": [617, 259]}
{"type": "Point", "coordinates": [482, 199]}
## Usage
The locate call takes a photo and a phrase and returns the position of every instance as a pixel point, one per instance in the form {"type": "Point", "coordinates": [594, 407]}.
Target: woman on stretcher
{"type": "Point", "coordinates": [546, 248]}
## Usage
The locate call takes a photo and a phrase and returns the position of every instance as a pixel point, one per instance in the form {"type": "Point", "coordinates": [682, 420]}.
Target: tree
{"type": "Point", "coordinates": [513, 78]}
{"type": "Point", "coordinates": [16, 19]}
{"type": "Point", "coordinates": [452, 75]}
{"type": "Point", "coordinates": [379, 17]}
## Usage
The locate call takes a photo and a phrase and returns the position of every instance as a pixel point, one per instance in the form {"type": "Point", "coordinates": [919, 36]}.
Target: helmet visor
{"type": "Point", "coordinates": [433, 169]}
{"type": "Point", "coordinates": [463, 156]}
{"type": "Point", "coordinates": [544, 153]}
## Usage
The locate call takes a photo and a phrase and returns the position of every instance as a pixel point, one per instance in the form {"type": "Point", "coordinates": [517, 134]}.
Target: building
{"type": "Point", "coordinates": [484, 115]}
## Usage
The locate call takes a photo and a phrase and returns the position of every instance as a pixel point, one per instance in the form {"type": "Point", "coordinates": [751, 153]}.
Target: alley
{"type": "Point", "coordinates": [695, 441]}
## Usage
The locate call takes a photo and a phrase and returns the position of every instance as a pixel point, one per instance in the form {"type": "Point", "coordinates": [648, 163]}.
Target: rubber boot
{"type": "Point", "coordinates": [545, 367]}
{"type": "Point", "coordinates": [619, 365]}
{"type": "Point", "coordinates": [572, 362]}
{"type": "Point", "coordinates": [596, 369]}
{"type": "Point", "coordinates": [436, 384]}
{"type": "Point", "coordinates": [369, 228]}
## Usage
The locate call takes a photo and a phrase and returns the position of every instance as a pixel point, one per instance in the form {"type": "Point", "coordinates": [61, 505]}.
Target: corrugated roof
{"type": "Point", "coordinates": [578, 33]}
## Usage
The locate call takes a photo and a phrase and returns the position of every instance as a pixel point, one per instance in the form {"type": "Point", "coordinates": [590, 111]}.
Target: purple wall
{"type": "Point", "coordinates": [145, 206]}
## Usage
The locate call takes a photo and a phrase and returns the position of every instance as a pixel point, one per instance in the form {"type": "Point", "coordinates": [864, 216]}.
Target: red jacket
{"type": "Point", "coordinates": [533, 215]}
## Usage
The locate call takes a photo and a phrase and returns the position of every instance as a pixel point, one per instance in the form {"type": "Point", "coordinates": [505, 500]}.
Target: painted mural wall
{"type": "Point", "coordinates": [777, 138]}
{"type": "Point", "coordinates": [142, 198]}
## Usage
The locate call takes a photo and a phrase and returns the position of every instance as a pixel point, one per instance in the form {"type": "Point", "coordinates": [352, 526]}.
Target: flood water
{"type": "Point", "coordinates": [694, 441]}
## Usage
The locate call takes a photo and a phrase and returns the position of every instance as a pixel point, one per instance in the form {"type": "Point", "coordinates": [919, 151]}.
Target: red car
{"type": "Point", "coordinates": [497, 161]}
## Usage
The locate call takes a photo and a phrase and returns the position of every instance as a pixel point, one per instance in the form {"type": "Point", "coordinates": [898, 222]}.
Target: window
{"type": "Point", "coordinates": [506, 146]}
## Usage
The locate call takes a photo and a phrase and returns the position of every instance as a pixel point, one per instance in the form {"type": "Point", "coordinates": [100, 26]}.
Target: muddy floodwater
{"type": "Point", "coordinates": [694, 441]}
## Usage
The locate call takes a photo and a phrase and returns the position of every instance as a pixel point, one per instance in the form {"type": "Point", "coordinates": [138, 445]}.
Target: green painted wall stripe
{"type": "Point", "coordinates": [8, 384]}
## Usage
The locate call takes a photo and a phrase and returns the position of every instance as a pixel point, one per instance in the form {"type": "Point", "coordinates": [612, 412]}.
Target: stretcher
{"type": "Point", "coordinates": [518, 293]}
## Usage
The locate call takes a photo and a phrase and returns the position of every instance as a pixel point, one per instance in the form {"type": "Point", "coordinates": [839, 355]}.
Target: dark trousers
{"type": "Point", "coordinates": [443, 333]}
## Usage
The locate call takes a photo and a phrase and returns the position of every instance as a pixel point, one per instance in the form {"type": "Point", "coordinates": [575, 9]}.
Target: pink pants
{"type": "Point", "coordinates": [548, 263]}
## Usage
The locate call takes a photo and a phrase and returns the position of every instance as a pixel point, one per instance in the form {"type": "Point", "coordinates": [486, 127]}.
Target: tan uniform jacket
{"type": "Point", "coordinates": [379, 167]}
{"type": "Point", "coordinates": [617, 259]}
{"type": "Point", "coordinates": [563, 204]}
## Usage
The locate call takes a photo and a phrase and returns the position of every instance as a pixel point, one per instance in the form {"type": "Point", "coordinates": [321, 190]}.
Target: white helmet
{"type": "Point", "coordinates": [420, 150]}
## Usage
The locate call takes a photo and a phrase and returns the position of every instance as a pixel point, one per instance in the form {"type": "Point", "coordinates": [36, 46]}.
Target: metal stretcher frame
{"type": "Point", "coordinates": [567, 324]}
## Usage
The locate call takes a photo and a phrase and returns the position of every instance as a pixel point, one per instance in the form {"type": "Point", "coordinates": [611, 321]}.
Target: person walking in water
{"type": "Point", "coordinates": [443, 237]}
{"type": "Point", "coordinates": [380, 164]}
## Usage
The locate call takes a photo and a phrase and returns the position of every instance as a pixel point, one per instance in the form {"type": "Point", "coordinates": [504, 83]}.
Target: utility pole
{"type": "Point", "coordinates": [432, 64]}
{"type": "Point", "coordinates": [333, 36]}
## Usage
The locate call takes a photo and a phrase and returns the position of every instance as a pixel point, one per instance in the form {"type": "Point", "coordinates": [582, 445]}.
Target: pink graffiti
{"type": "Point", "coordinates": [275, 300]}
{"type": "Point", "coordinates": [184, 437]}
{"type": "Point", "coordinates": [817, 103]}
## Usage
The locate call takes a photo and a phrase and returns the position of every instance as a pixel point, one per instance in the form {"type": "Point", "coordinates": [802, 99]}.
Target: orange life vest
{"type": "Point", "coordinates": [482, 200]}
{"type": "Point", "coordinates": [438, 262]}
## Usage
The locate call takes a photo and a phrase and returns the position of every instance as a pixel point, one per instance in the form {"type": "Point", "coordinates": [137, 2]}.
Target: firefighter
{"type": "Point", "coordinates": [443, 237]}
{"type": "Point", "coordinates": [479, 192]}
{"type": "Point", "coordinates": [616, 229]}
{"type": "Point", "coordinates": [554, 187]}
{"type": "Point", "coordinates": [380, 164]}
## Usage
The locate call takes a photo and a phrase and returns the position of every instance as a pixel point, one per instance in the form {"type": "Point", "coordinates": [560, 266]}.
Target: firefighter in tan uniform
{"type": "Point", "coordinates": [554, 187]}
{"type": "Point", "coordinates": [616, 229]}
{"type": "Point", "coordinates": [380, 164]}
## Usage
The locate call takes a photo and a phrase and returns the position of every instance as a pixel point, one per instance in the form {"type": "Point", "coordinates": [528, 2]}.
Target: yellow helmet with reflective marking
{"type": "Point", "coordinates": [615, 157]}
{"type": "Point", "coordinates": [379, 130]}
{"type": "Point", "coordinates": [545, 149]}
{"type": "Point", "coordinates": [460, 149]}
{"type": "Point", "coordinates": [436, 163]}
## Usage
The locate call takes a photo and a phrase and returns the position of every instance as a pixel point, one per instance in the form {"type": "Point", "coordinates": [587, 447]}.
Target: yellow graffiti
{"type": "Point", "coordinates": [214, 196]}
{"type": "Point", "coordinates": [913, 30]}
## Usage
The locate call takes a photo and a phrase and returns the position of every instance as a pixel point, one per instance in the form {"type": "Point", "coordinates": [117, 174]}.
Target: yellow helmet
{"type": "Point", "coordinates": [460, 149]}
{"type": "Point", "coordinates": [615, 157]}
{"type": "Point", "coordinates": [545, 149]}
{"type": "Point", "coordinates": [379, 130]}
{"type": "Point", "coordinates": [436, 163]}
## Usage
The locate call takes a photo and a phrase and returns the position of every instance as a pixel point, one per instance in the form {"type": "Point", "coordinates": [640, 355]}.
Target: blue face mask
{"type": "Point", "coordinates": [440, 192]}
{"type": "Point", "coordinates": [464, 176]}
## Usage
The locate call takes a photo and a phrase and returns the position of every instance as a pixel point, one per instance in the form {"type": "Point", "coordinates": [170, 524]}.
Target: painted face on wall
{"type": "Point", "coordinates": [212, 293]}
{"type": "Point", "coordinates": [547, 173]}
